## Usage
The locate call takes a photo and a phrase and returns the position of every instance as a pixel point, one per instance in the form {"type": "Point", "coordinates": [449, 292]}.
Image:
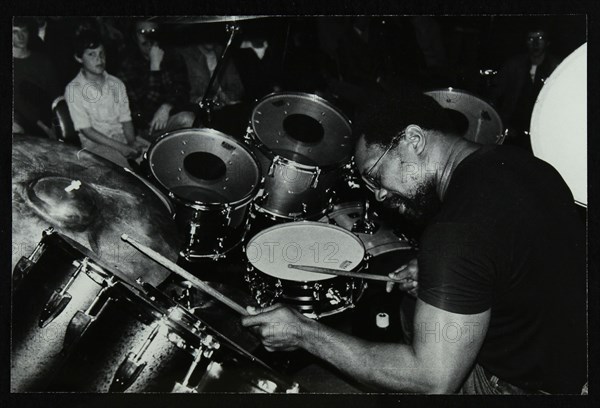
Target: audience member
{"type": "Point", "coordinates": [157, 84]}
{"type": "Point", "coordinates": [518, 84]}
{"type": "Point", "coordinates": [35, 83]}
{"type": "Point", "coordinates": [98, 105]}
{"type": "Point", "coordinates": [201, 60]}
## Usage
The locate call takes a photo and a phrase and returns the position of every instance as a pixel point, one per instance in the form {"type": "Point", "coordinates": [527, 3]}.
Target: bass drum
{"type": "Point", "coordinates": [559, 123]}
{"type": "Point", "coordinates": [473, 118]}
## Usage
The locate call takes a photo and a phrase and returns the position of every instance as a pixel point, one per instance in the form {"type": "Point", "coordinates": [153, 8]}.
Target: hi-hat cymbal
{"type": "Point", "coordinates": [91, 201]}
{"type": "Point", "coordinates": [201, 19]}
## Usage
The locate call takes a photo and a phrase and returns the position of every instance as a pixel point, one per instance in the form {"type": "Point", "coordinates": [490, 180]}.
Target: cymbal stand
{"type": "Point", "coordinates": [208, 100]}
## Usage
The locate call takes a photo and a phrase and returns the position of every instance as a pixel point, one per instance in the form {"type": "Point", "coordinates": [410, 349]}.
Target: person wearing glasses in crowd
{"type": "Point", "coordinates": [499, 279]}
{"type": "Point", "coordinates": [518, 84]}
{"type": "Point", "coordinates": [157, 84]}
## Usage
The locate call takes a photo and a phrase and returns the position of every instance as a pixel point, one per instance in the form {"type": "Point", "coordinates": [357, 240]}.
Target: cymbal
{"type": "Point", "coordinates": [201, 19]}
{"type": "Point", "coordinates": [91, 201]}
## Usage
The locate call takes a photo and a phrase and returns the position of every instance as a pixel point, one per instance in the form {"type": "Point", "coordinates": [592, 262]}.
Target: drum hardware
{"type": "Point", "coordinates": [205, 115]}
{"type": "Point", "coordinates": [365, 225]}
{"type": "Point", "coordinates": [185, 274]}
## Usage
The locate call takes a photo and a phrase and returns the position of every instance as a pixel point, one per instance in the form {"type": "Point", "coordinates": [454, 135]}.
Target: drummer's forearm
{"type": "Point", "coordinates": [388, 366]}
{"type": "Point", "coordinates": [101, 138]}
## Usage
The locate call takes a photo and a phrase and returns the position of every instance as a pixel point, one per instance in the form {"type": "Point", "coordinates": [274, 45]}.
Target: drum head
{"type": "Point", "coordinates": [304, 128]}
{"type": "Point", "coordinates": [204, 166]}
{"type": "Point", "coordinates": [559, 122]}
{"type": "Point", "coordinates": [473, 118]}
{"type": "Point", "coordinates": [304, 243]}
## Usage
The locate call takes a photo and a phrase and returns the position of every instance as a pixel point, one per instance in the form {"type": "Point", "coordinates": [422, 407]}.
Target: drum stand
{"type": "Point", "coordinates": [207, 104]}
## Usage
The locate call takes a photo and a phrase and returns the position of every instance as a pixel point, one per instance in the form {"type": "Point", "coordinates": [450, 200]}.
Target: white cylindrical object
{"type": "Point", "coordinates": [382, 320]}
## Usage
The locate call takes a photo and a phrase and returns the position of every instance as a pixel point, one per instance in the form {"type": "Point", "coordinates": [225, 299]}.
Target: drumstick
{"type": "Point", "coordinates": [173, 267]}
{"type": "Point", "coordinates": [359, 275]}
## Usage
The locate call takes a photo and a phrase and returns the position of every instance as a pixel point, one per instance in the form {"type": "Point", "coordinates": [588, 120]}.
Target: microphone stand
{"type": "Point", "coordinates": [206, 105]}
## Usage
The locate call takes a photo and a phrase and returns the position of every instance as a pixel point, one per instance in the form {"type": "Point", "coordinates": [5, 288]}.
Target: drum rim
{"type": "Point", "coordinates": [459, 91]}
{"type": "Point", "coordinates": [270, 154]}
{"type": "Point", "coordinates": [314, 223]}
{"type": "Point", "coordinates": [199, 205]}
{"type": "Point", "coordinates": [359, 265]}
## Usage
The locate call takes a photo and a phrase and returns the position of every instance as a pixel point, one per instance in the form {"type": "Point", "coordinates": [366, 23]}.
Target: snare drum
{"type": "Point", "coordinates": [306, 243]}
{"type": "Point", "coordinates": [212, 179]}
{"type": "Point", "coordinates": [302, 143]}
{"type": "Point", "coordinates": [55, 290]}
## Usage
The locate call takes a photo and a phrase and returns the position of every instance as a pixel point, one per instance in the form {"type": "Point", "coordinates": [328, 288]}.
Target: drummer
{"type": "Point", "coordinates": [500, 278]}
{"type": "Point", "coordinates": [98, 105]}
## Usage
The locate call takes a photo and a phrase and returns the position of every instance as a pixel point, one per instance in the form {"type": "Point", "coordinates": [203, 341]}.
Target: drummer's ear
{"type": "Point", "coordinates": [78, 59]}
{"type": "Point", "coordinates": [415, 137]}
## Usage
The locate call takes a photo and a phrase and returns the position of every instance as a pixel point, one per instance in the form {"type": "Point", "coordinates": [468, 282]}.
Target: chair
{"type": "Point", "coordinates": [62, 124]}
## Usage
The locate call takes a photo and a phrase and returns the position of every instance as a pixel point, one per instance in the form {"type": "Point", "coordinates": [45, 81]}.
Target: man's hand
{"type": "Point", "coordinates": [280, 328]}
{"type": "Point", "coordinates": [161, 117]}
{"type": "Point", "coordinates": [410, 274]}
{"type": "Point", "coordinates": [156, 57]}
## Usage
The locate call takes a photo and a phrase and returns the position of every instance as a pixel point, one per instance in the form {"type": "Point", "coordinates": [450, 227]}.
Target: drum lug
{"type": "Point", "coordinates": [227, 213]}
{"type": "Point", "coordinates": [275, 162]}
{"type": "Point", "coordinates": [315, 178]}
{"type": "Point", "coordinates": [333, 295]}
{"type": "Point", "coordinates": [59, 300]}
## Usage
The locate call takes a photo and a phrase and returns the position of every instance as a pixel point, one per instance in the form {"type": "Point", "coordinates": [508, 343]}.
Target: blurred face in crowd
{"type": "Point", "coordinates": [144, 32]}
{"type": "Point", "coordinates": [93, 60]}
{"type": "Point", "coordinates": [537, 42]}
{"type": "Point", "coordinates": [20, 37]}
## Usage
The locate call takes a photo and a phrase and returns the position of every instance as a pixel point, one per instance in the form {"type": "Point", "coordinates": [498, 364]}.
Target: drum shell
{"type": "Point", "coordinates": [37, 352]}
{"type": "Point", "coordinates": [127, 321]}
{"type": "Point", "coordinates": [310, 298]}
{"type": "Point", "coordinates": [209, 229]}
{"type": "Point", "coordinates": [289, 191]}
{"type": "Point", "coordinates": [214, 226]}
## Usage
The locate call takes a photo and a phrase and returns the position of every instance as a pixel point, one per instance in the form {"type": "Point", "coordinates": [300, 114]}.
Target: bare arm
{"type": "Point", "coordinates": [129, 132]}
{"type": "Point", "coordinates": [102, 139]}
{"type": "Point", "coordinates": [443, 351]}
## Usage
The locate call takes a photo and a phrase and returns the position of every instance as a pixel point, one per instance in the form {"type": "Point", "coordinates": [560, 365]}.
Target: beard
{"type": "Point", "coordinates": [420, 208]}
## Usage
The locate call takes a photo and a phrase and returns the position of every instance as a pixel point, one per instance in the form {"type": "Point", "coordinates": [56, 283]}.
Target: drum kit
{"type": "Point", "coordinates": [92, 312]}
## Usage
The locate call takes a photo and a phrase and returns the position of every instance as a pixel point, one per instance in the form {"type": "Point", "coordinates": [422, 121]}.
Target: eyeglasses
{"type": "Point", "coordinates": [146, 31]}
{"type": "Point", "coordinates": [536, 38]}
{"type": "Point", "coordinates": [370, 181]}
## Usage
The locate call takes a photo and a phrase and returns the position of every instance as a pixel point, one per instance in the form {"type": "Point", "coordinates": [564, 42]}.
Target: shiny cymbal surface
{"type": "Point", "coordinates": [201, 19]}
{"type": "Point", "coordinates": [91, 201]}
